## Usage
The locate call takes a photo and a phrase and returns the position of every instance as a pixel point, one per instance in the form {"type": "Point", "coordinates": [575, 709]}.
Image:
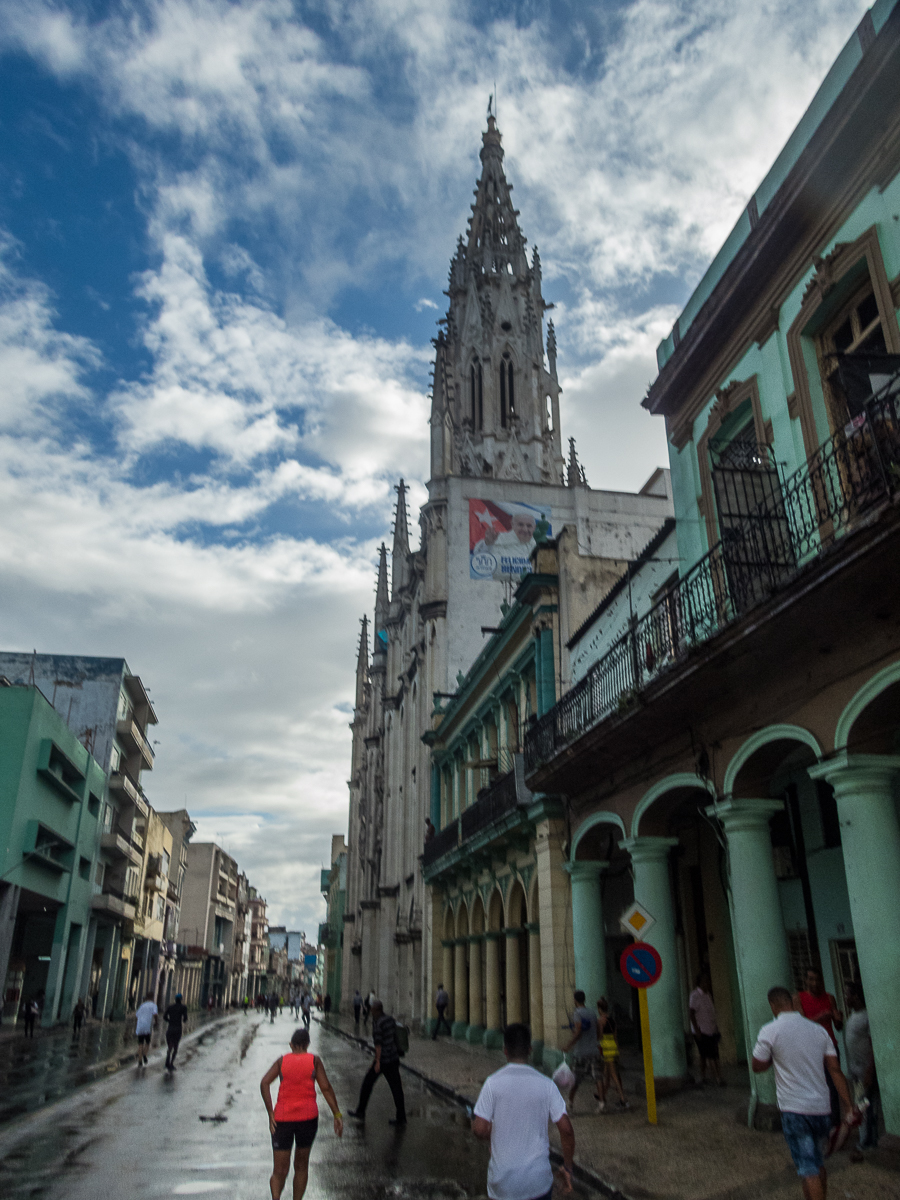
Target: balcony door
{"type": "Point", "coordinates": [753, 526]}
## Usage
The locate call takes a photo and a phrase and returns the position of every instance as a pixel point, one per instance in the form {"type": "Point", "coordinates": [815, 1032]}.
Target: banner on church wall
{"type": "Point", "coordinates": [502, 537]}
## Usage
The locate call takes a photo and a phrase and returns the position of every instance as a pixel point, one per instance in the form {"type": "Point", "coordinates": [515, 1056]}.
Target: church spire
{"type": "Point", "coordinates": [495, 243]}
{"type": "Point", "coordinates": [495, 406]}
{"type": "Point", "coordinates": [400, 551]}
{"type": "Point", "coordinates": [381, 597]}
{"type": "Point", "coordinates": [362, 664]}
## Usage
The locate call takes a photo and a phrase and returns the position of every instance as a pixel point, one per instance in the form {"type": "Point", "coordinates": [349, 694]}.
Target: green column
{"type": "Point", "coordinates": [652, 888]}
{"type": "Point", "coordinates": [864, 786]}
{"type": "Point", "coordinates": [587, 930]}
{"type": "Point", "coordinates": [547, 676]}
{"type": "Point", "coordinates": [460, 989]}
{"type": "Point", "coordinates": [475, 1028]}
{"type": "Point", "coordinates": [493, 1035]}
{"type": "Point", "coordinates": [760, 942]}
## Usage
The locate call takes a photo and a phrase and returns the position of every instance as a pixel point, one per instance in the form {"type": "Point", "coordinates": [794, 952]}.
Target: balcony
{"type": "Point", "coordinates": [114, 903]}
{"type": "Point", "coordinates": [120, 782]}
{"type": "Point", "coordinates": [134, 741]}
{"type": "Point", "coordinates": [496, 813]}
{"type": "Point", "coordinates": [852, 478]}
{"type": "Point", "coordinates": [117, 845]}
{"type": "Point", "coordinates": [325, 880]}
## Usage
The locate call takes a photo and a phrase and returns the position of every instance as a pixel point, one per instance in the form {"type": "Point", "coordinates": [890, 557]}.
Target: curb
{"type": "Point", "coordinates": [582, 1174]}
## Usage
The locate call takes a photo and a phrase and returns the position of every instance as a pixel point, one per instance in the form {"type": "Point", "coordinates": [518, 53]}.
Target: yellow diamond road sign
{"type": "Point", "coordinates": [636, 920]}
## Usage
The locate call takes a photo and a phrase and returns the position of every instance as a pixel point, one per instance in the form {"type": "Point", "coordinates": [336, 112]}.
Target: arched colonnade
{"type": "Point", "coordinates": [787, 856]}
{"type": "Point", "coordinates": [491, 961]}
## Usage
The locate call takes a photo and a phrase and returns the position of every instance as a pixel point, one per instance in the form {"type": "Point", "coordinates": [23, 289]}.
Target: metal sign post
{"type": "Point", "coordinates": [641, 966]}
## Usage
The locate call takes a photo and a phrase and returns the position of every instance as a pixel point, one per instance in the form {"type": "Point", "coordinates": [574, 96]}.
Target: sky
{"type": "Point", "coordinates": [225, 231]}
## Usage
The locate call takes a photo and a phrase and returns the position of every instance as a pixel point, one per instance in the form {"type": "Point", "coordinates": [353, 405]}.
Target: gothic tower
{"type": "Point", "coordinates": [495, 405]}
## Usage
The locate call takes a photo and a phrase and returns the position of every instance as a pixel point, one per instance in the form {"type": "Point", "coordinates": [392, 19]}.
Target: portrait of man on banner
{"type": "Point", "coordinates": [502, 536]}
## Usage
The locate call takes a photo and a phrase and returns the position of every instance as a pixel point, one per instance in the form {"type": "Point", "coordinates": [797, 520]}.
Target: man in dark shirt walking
{"type": "Point", "coordinates": [387, 1063]}
{"type": "Point", "coordinates": [174, 1016]}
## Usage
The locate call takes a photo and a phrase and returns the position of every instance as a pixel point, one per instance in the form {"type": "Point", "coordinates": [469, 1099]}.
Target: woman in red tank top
{"type": "Point", "coordinates": [296, 1113]}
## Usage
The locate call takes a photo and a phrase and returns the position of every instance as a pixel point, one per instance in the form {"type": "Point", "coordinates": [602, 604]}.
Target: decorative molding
{"type": "Point", "coordinates": [824, 275]}
{"type": "Point", "coordinates": [433, 609]}
{"type": "Point", "coordinates": [389, 893]}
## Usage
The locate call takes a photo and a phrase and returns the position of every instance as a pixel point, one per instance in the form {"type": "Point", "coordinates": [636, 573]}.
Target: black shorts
{"type": "Point", "coordinates": [173, 1037]}
{"type": "Point", "coordinates": [708, 1045]}
{"type": "Point", "coordinates": [287, 1131]}
{"type": "Point", "coordinates": [144, 1039]}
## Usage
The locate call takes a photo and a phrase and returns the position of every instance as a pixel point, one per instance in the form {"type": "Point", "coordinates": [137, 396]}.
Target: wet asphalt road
{"type": "Point", "coordinates": [140, 1133]}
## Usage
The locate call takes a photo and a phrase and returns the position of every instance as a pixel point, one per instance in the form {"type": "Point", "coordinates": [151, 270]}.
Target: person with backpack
{"type": "Point", "coordinates": [386, 1064]}
{"type": "Point", "coordinates": [295, 1117]}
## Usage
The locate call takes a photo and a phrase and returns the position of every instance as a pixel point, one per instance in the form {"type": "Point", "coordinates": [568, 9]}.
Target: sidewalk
{"type": "Point", "coordinates": [37, 1071]}
{"type": "Point", "coordinates": [701, 1148]}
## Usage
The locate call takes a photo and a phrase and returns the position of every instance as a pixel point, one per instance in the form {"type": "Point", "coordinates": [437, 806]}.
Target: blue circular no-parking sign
{"type": "Point", "coordinates": [641, 965]}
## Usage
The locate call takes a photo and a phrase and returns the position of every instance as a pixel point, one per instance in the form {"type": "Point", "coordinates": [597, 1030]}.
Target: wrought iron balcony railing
{"type": "Point", "coordinates": [442, 843]}
{"type": "Point", "coordinates": [850, 474]}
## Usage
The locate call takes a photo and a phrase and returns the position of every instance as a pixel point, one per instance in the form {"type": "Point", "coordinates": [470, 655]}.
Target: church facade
{"type": "Point", "coordinates": [499, 487]}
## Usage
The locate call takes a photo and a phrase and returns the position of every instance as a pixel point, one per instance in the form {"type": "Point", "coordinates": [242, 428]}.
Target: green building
{"type": "Point", "coordinates": [331, 932]}
{"type": "Point", "coordinates": [733, 744]}
{"type": "Point", "coordinates": [51, 802]}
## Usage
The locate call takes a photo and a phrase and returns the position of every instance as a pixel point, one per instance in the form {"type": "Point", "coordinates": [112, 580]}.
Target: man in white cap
{"type": "Point", "coordinates": [511, 547]}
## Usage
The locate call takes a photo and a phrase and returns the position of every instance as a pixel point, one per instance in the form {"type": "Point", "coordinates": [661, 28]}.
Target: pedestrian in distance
{"type": "Point", "coordinates": [357, 1006]}
{"type": "Point", "coordinates": [820, 1006]}
{"type": "Point", "coordinates": [386, 1065]}
{"type": "Point", "coordinates": [273, 1008]}
{"type": "Point", "coordinates": [861, 1069]}
{"type": "Point", "coordinates": [585, 1051]}
{"type": "Point", "coordinates": [441, 1000]}
{"type": "Point", "coordinates": [800, 1052]}
{"type": "Point", "coordinates": [78, 1017]}
{"type": "Point", "coordinates": [513, 1110]}
{"type": "Point", "coordinates": [367, 1007]}
{"type": "Point", "coordinates": [705, 1027]}
{"type": "Point", "coordinates": [144, 1023]}
{"type": "Point", "coordinates": [326, 1004]}
{"type": "Point", "coordinates": [30, 1013]}
{"type": "Point", "coordinates": [174, 1016]}
{"type": "Point", "coordinates": [306, 1005]}
{"type": "Point", "coordinates": [608, 1042]}
{"type": "Point", "coordinates": [294, 1120]}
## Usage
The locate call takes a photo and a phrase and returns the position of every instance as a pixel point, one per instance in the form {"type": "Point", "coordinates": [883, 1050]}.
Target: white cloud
{"type": "Point", "coordinates": [40, 367]}
{"type": "Point", "coordinates": [354, 147]}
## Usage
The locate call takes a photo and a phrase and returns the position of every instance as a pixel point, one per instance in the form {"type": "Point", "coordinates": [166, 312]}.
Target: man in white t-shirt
{"type": "Point", "coordinates": [146, 1022]}
{"type": "Point", "coordinates": [513, 1110]}
{"type": "Point", "coordinates": [801, 1051]}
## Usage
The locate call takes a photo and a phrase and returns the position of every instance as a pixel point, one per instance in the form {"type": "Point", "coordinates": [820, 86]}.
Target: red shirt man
{"type": "Point", "coordinates": [818, 1005]}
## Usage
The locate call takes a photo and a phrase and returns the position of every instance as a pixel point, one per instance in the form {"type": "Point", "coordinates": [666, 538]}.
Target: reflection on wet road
{"type": "Point", "coordinates": [140, 1133]}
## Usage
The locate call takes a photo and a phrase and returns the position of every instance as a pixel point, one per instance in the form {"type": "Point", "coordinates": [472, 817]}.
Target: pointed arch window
{"type": "Point", "coordinates": [507, 390]}
{"type": "Point", "coordinates": [476, 395]}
